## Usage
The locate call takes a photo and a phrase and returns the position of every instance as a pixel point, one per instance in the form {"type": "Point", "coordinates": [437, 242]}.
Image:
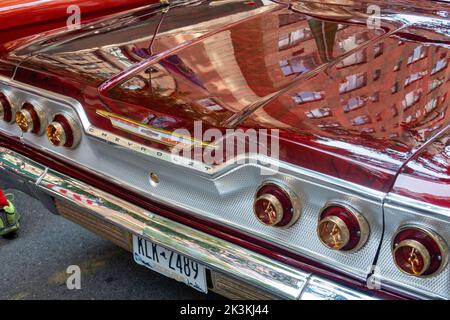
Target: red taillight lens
{"type": "Point", "coordinates": [276, 205]}
{"type": "Point", "coordinates": [31, 119]}
{"type": "Point", "coordinates": [6, 109]}
{"type": "Point", "coordinates": [63, 131]}
{"type": "Point", "coordinates": [342, 228]}
{"type": "Point", "coordinates": [419, 252]}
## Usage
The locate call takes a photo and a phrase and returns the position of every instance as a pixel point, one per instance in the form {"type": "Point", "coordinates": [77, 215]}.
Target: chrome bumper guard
{"type": "Point", "coordinates": [257, 270]}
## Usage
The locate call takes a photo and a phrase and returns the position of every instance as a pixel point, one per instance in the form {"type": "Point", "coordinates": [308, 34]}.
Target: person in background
{"type": "Point", "coordinates": [9, 218]}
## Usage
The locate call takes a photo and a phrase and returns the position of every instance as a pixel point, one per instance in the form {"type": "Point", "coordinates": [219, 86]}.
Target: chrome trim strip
{"type": "Point", "coordinates": [417, 205]}
{"type": "Point", "coordinates": [245, 265]}
{"type": "Point", "coordinates": [252, 268]}
{"type": "Point", "coordinates": [320, 289]}
{"type": "Point", "coordinates": [22, 167]}
{"type": "Point", "coordinates": [152, 152]}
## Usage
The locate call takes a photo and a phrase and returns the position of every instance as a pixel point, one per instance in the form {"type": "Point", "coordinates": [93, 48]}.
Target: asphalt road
{"type": "Point", "coordinates": [33, 265]}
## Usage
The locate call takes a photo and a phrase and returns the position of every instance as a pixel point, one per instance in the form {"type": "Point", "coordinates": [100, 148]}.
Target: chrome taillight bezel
{"type": "Point", "coordinates": [36, 118]}
{"type": "Point", "coordinates": [290, 196]}
{"type": "Point", "coordinates": [11, 104]}
{"type": "Point", "coordinates": [364, 227]}
{"type": "Point", "coordinates": [70, 130]}
{"type": "Point", "coordinates": [439, 241]}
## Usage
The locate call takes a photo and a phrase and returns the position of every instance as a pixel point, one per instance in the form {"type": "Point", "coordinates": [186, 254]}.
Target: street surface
{"type": "Point", "coordinates": [33, 266]}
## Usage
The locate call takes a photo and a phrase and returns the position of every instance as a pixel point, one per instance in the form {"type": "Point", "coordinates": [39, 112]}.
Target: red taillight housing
{"type": "Point", "coordinates": [342, 228]}
{"type": "Point", "coordinates": [276, 205]}
{"type": "Point", "coordinates": [63, 131]}
{"type": "Point", "coordinates": [7, 110]}
{"type": "Point", "coordinates": [31, 118]}
{"type": "Point", "coordinates": [419, 252]}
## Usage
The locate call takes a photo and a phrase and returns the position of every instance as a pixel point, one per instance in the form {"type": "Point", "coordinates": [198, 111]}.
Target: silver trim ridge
{"type": "Point", "coordinates": [216, 254]}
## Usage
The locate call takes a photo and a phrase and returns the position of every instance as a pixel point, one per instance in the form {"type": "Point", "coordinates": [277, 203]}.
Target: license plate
{"type": "Point", "coordinates": [169, 263]}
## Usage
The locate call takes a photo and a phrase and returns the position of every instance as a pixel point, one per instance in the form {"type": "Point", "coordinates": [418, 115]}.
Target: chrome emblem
{"type": "Point", "coordinates": [151, 133]}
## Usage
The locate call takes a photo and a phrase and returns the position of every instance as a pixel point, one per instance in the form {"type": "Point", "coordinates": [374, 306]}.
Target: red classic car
{"type": "Point", "coordinates": [258, 149]}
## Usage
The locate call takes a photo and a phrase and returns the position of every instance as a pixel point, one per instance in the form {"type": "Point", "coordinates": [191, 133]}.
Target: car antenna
{"type": "Point", "coordinates": [166, 4]}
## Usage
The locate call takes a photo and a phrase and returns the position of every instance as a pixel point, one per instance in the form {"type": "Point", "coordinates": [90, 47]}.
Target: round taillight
{"type": "Point", "coordinates": [419, 252]}
{"type": "Point", "coordinates": [276, 205]}
{"type": "Point", "coordinates": [342, 228]}
{"type": "Point", "coordinates": [63, 131]}
{"type": "Point", "coordinates": [7, 109]}
{"type": "Point", "coordinates": [31, 119]}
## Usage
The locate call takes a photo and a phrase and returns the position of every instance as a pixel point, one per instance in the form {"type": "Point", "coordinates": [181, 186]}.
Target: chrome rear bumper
{"type": "Point", "coordinates": [220, 256]}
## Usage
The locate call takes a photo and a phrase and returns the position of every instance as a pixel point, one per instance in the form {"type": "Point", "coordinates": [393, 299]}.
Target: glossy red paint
{"type": "Point", "coordinates": [427, 176]}
{"type": "Point", "coordinates": [336, 113]}
{"type": "Point", "coordinates": [21, 18]}
{"type": "Point", "coordinates": [6, 68]}
{"type": "Point", "coordinates": [19, 13]}
{"type": "Point", "coordinates": [257, 245]}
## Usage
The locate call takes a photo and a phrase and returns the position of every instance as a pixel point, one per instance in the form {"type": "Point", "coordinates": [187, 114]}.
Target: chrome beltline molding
{"type": "Point", "coordinates": [417, 205]}
{"type": "Point", "coordinates": [255, 269]}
